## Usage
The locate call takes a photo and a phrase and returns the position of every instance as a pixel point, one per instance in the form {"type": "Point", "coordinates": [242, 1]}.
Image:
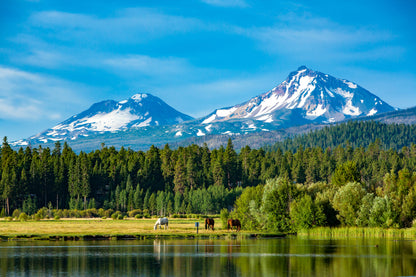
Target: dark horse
{"type": "Point", "coordinates": [234, 223]}
{"type": "Point", "coordinates": [209, 223]}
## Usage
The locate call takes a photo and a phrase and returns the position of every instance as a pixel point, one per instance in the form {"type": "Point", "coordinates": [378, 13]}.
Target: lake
{"type": "Point", "coordinates": [290, 256]}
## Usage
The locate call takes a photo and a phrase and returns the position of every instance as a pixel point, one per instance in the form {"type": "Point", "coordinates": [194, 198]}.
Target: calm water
{"type": "Point", "coordinates": [250, 257]}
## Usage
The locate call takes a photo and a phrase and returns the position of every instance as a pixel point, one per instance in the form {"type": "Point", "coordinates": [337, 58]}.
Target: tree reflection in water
{"type": "Point", "coordinates": [249, 257]}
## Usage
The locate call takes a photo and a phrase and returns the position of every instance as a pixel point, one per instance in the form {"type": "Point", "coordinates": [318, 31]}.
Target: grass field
{"type": "Point", "coordinates": [359, 232]}
{"type": "Point", "coordinates": [108, 228]}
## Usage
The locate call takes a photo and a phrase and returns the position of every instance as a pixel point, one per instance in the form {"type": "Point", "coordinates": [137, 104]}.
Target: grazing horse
{"type": "Point", "coordinates": [209, 223]}
{"type": "Point", "coordinates": [162, 221]}
{"type": "Point", "coordinates": [231, 223]}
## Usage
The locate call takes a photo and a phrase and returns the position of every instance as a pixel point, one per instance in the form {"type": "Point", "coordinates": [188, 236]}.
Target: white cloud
{"type": "Point", "coordinates": [128, 25]}
{"type": "Point", "coordinates": [148, 65]}
{"type": "Point", "coordinates": [227, 3]}
{"type": "Point", "coordinates": [307, 38]}
{"type": "Point", "coordinates": [28, 96]}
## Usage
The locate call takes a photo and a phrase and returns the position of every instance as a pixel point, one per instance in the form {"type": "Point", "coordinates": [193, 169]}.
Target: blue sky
{"type": "Point", "coordinates": [59, 57]}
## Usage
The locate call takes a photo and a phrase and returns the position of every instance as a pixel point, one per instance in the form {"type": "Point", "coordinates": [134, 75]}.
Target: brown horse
{"type": "Point", "coordinates": [209, 223]}
{"type": "Point", "coordinates": [234, 223]}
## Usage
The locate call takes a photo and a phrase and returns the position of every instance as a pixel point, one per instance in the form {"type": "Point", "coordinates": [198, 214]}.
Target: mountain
{"type": "Point", "coordinates": [405, 116]}
{"type": "Point", "coordinates": [306, 96]}
{"type": "Point", "coordinates": [306, 100]}
{"type": "Point", "coordinates": [141, 110]}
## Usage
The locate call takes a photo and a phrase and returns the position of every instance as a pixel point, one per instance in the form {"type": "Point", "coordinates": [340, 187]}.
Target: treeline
{"type": "Point", "coordinates": [196, 179]}
{"type": "Point", "coordinates": [159, 181]}
{"type": "Point", "coordinates": [281, 205]}
{"type": "Point", "coordinates": [354, 134]}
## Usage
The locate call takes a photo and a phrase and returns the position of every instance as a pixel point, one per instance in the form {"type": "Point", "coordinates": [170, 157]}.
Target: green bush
{"type": "Point", "coordinates": [56, 217]}
{"type": "Point", "coordinates": [42, 212]}
{"type": "Point", "coordinates": [23, 216]}
{"type": "Point", "coordinates": [9, 218]}
{"type": "Point", "coordinates": [16, 213]}
{"type": "Point", "coordinates": [108, 212]}
{"type": "Point", "coordinates": [65, 213]}
{"type": "Point", "coordinates": [133, 213]}
{"type": "Point", "coordinates": [3, 212]}
{"type": "Point", "coordinates": [138, 216]}
{"type": "Point", "coordinates": [224, 216]}
{"type": "Point", "coordinates": [116, 215]}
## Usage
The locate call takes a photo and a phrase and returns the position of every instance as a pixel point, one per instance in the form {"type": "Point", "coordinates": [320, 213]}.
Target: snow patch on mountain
{"type": "Point", "coordinates": [111, 121]}
{"type": "Point", "coordinates": [308, 95]}
{"type": "Point", "coordinates": [140, 110]}
{"type": "Point", "coordinates": [373, 111]}
{"type": "Point", "coordinates": [320, 110]}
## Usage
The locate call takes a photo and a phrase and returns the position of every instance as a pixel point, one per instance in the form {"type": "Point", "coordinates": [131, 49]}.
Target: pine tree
{"type": "Point", "coordinates": [180, 176]}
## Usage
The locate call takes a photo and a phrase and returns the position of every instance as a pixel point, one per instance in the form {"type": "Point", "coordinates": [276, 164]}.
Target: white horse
{"type": "Point", "coordinates": [162, 221]}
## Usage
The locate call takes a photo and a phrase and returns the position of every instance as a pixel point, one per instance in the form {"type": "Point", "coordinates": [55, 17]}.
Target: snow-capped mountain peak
{"type": "Point", "coordinates": [140, 110]}
{"type": "Point", "coordinates": [309, 96]}
{"type": "Point", "coordinates": [138, 97]}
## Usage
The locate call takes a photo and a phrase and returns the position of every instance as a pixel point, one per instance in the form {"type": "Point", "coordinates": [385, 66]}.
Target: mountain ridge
{"type": "Point", "coordinates": [305, 97]}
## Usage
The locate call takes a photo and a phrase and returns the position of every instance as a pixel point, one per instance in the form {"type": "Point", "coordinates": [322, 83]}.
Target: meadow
{"type": "Point", "coordinates": [74, 229]}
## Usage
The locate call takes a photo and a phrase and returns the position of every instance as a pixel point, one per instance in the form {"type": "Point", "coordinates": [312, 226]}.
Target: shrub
{"type": "Point", "coordinates": [3, 212]}
{"type": "Point", "coordinates": [224, 215]}
{"type": "Point", "coordinates": [74, 213]}
{"type": "Point", "coordinates": [37, 217]}
{"type": "Point", "coordinates": [108, 212]}
{"type": "Point", "coordinates": [116, 215]}
{"type": "Point", "coordinates": [16, 213]}
{"type": "Point", "coordinates": [23, 216]}
{"type": "Point", "coordinates": [58, 213]}
{"type": "Point", "coordinates": [138, 216]}
{"type": "Point", "coordinates": [42, 212]}
{"type": "Point", "coordinates": [120, 217]}
{"type": "Point", "coordinates": [56, 217]}
{"type": "Point", "coordinates": [133, 213]}
{"type": "Point", "coordinates": [101, 212]}
{"type": "Point", "coordinates": [65, 213]}
{"type": "Point", "coordinates": [9, 218]}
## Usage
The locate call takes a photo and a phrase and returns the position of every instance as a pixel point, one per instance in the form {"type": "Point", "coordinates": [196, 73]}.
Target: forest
{"type": "Point", "coordinates": [267, 189]}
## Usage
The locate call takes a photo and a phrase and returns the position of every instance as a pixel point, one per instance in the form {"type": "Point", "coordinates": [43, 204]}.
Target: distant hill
{"type": "Point", "coordinates": [354, 134]}
{"type": "Point", "coordinates": [406, 116]}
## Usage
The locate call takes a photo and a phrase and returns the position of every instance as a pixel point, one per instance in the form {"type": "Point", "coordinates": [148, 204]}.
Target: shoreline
{"type": "Point", "coordinates": [89, 237]}
{"type": "Point", "coordinates": [143, 229]}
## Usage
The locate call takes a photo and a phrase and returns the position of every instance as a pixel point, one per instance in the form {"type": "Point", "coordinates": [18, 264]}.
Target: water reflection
{"type": "Point", "coordinates": [263, 257]}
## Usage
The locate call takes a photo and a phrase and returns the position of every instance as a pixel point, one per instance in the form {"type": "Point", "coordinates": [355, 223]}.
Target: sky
{"type": "Point", "coordinates": [57, 58]}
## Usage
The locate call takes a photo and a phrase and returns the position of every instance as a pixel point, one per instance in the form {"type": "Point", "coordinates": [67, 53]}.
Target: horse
{"type": "Point", "coordinates": [231, 223]}
{"type": "Point", "coordinates": [209, 223]}
{"type": "Point", "coordinates": [162, 221]}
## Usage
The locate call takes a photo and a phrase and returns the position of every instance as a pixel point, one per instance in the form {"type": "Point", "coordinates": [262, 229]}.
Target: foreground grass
{"type": "Point", "coordinates": [108, 229]}
{"type": "Point", "coordinates": [359, 232]}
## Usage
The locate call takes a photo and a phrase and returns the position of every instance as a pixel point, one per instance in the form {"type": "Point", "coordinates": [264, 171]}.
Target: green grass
{"type": "Point", "coordinates": [359, 232]}
{"type": "Point", "coordinates": [74, 229]}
